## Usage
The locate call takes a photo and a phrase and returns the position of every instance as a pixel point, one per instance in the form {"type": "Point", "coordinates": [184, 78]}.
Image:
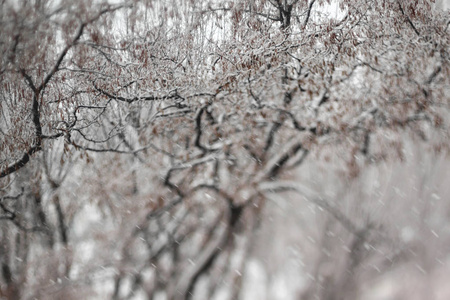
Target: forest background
{"type": "Point", "coordinates": [264, 149]}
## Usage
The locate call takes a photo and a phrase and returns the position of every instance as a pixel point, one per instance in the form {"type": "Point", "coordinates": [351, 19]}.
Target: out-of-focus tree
{"type": "Point", "coordinates": [168, 124]}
